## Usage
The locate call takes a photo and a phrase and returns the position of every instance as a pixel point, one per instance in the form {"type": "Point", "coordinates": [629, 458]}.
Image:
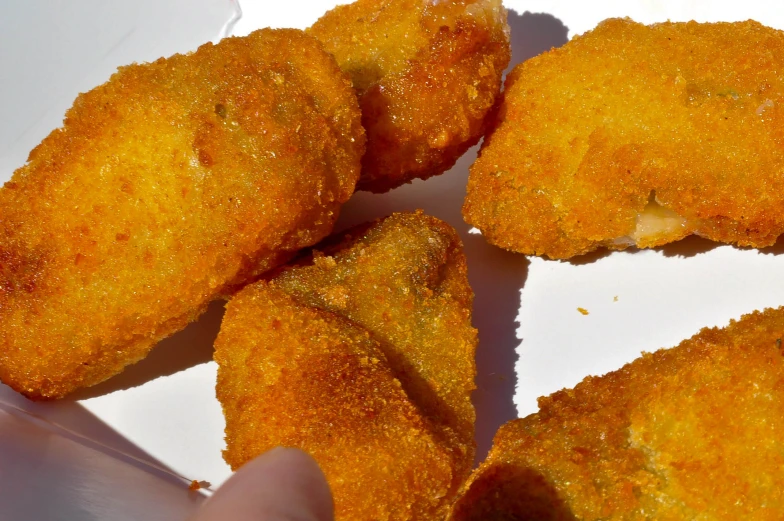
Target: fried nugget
{"type": "Point", "coordinates": [637, 135]}
{"type": "Point", "coordinates": [427, 73]}
{"type": "Point", "coordinates": [363, 356]}
{"type": "Point", "coordinates": [170, 183]}
{"type": "Point", "coordinates": [691, 432]}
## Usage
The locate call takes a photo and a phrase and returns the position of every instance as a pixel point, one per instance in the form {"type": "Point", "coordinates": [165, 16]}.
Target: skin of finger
{"type": "Point", "coordinates": [280, 485]}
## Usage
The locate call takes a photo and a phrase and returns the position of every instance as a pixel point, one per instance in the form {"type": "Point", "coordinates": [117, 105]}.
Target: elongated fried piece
{"type": "Point", "coordinates": [427, 73]}
{"type": "Point", "coordinates": [635, 135]}
{"type": "Point", "coordinates": [362, 355]}
{"type": "Point", "coordinates": [170, 183]}
{"type": "Point", "coordinates": [691, 432]}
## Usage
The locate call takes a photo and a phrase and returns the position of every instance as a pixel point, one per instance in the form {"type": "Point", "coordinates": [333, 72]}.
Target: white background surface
{"type": "Point", "coordinates": [533, 341]}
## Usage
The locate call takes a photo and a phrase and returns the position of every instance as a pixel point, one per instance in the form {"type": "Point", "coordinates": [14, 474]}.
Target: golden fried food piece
{"type": "Point", "coordinates": [363, 356]}
{"type": "Point", "coordinates": [634, 135]}
{"type": "Point", "coordinates": [170, 183]}
{"type": "Point", "coordinates": [404, 279]}
{"type": "Point", "coordinates": [298, 376]}
{"type": "Point", "coordinates": [691, 432]}
{"type": "Point", "coordinates": [427, 73]}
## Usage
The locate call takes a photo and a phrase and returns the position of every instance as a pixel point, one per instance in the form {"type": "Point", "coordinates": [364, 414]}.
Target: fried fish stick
{"type": "Point", "coordinates": [427, 73]}
{"type": "Point", "coordinates": [691, 432]}
{"type": "Point", "coordinates": [363, 356]}
{"type": "Point", "coordinates": [170, 183]}
{"type": "Point", "coordinates": [634, 135]}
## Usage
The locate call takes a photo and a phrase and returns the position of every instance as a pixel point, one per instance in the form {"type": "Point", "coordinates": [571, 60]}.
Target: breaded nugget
{"type": "Point", "coordinates": [427, 73]}
{"type": "Point", "coordinates": [637, 135]}
{"type": "Point", "coordinates": [170, 183]}
{"type": "Point", "coordinates": [363, 356]}
{"type": "Point", "coordinates": [692, 432]}
{"type": "Point", "coordinates": [297, 376]}
{"type": "Point", "coordinates": [404, 279]}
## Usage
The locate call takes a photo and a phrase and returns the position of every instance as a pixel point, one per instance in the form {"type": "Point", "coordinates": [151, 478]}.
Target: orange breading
{"type": "Point", "coordinates": [404, 279]}
{"type": "Point", "coordinates": [363, 356]}
{"type": "Point", "coordinates": [637, 135]}
{"type": "Point", "coordinates": [427, 73]}
{"type": "Point", "coordinates": [295, 376]}
{"type": "Point", "coordinates": [170, 183]}
{"type": "Point", "coordinates": [691, 432]}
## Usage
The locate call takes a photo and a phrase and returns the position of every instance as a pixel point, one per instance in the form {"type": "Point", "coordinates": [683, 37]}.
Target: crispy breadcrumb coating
{"type": "Point", "coordinates": [404, 279]}
{"type": "Point", "coordinates": [427, 73]}
{"type": "Point", "coordinates": [170, 183]}
{"type": "Point", "coordinates": [363, 356]}
{"type": "Point", "coordinates": [692, 432]}
{"type": "Point", "coordinates": [638, 135]}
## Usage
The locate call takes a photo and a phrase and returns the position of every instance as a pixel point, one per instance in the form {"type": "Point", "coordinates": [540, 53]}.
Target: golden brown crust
{"type": "Point", "coordinates": [689, 112]}
{"type": "Point", "coordinates": [404, 278]}
{"type": "Point", "coordinates": [685, 433]}
{"type": "Point", "coordinates": [167, 184]}
{"type": "Point", "coordinates": [427, 74]}
{"type": "Point", "coordinates": [291, 375]}
{"type": "Point", "coordinates": [363, 357]}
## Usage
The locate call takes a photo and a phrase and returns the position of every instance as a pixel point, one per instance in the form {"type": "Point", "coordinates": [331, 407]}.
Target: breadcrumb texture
{"type": "Point", "coordinates": [638, 135]}
{"type": "Point", "coordinates": [166, 186]}
{"type": "Point", "coordinates": [692, 432]}
{"type": "Point", "coordinates": [427, 73]}
{"type": "Point", "coordinates": [363, 356]}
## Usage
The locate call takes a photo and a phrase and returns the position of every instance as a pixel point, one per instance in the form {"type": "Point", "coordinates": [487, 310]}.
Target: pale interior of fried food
{"type": "Point", "coordinates": [655, 225]}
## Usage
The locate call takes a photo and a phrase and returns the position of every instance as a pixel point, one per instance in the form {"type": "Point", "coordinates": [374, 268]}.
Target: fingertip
{"type": "Point", "coordinates": [281, 484]}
